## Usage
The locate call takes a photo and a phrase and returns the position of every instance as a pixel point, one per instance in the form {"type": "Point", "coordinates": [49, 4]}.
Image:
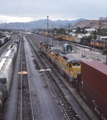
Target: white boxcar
{"type": "Point", "coordinates": [6, 71]}
{"type": "Point", "coordinates": [2, 40]}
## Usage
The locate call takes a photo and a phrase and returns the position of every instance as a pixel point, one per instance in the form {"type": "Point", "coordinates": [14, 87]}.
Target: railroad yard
{"type": "Point", "coordinates": [37, 89]}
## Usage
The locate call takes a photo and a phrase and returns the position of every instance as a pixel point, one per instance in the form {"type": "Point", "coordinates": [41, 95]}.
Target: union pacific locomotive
{"type": "Point", "coordinates": [66, 63]}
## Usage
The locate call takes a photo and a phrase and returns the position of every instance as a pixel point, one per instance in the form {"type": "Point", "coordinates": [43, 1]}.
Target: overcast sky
{"type": "Point", "coordinates": [30, 10]}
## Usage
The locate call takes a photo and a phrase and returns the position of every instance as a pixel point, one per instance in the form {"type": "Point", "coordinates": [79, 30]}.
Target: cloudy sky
{"type": "Point", "coordinates": [30, 10]}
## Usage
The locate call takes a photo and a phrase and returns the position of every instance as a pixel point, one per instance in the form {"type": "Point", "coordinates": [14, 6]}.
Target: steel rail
{"type": "Point", "coordinates": [31, 100]}
{"type": "Point", "coordinates": [21, 83]}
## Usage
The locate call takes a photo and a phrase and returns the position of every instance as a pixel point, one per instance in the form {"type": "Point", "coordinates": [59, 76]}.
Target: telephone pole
{"type": "Point", "coordinates": [47, 27]}
{"type": "Point", "coordinates": [52, 37]}
{"type": "Point", "coordinates": [69, 35]}
{"type": "Point", "coordinates": [99, 27]}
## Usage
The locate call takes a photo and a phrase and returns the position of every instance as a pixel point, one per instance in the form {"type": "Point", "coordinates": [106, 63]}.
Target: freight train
{"type": "Point", "coordinates": [90, 78]}
{"type": "Point", "coordinates": [93, 43]}
{"type": "Point", "coordinates": [100, 44]}
{"type": "Point", "coordinates": [60, 36]}
{"type": "Point", "coordinates": [66, 63]}
{"type": "Point", "coordinates": [6, 71]}
{"type": "Point", "coordinates": [92, 86]}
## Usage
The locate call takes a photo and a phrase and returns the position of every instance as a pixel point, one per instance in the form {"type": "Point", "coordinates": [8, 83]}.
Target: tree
{"type": "Point", "coordinates": [61, 31]}
{"type": "Point", "coordinates": [94, 34]}
{"type": "Point", "coordinates": [78, 30]}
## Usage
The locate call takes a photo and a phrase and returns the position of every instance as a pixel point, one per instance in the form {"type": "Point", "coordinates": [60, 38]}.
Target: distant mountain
{"type": "Point", "coordinates": [39, 24]}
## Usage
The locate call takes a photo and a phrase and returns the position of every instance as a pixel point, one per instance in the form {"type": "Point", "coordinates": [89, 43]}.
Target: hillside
{"type": "Point", "coordinates": [91, 24]}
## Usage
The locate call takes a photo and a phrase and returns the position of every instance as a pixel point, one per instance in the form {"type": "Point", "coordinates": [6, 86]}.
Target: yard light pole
{"type": "Point", "coordinates": [47, 27]}
{"type": "Point", "coordinates": [52, 33]}
{"type": "Point", "coordinates": [69, 36]}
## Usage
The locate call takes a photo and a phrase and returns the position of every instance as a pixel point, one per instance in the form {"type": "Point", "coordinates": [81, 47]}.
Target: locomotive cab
{"type": "Point", "coordinates": [74, 68]}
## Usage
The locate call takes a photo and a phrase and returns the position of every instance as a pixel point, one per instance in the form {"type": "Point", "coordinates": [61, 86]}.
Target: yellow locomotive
{"type": "Point", "coordinates": [67, 63]}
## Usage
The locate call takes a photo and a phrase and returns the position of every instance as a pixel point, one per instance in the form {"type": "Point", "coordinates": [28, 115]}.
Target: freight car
{"type": "Point", "coordinates": [98, 43]}
{"type": "Point", "coordinates": [3, 95]}
{"type": "Point", "coordinates": [6, 66]}
{"type": "Point", "coordinates": [4, 39]}
{"type": "Point", "coordinates": [67, 64]}
{"type": "Point", "coordinates": [59, 36]}
{"type": "Point", "coordinates": [6, 72]}
{"type": "Point", "coordinates": [85, 41]}
{"type": "Point", "coordinates": [92, 86]}
{"type": "Point", "coordinates": [64, 37]}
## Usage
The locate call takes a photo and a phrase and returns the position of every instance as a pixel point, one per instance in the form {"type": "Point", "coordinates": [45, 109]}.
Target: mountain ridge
{"type": "Point", "coordinates": [39, 24]}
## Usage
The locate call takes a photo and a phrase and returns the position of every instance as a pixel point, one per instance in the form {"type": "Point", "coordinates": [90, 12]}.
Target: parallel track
{"type": "Point", "coordinates": [71, 108]}
{"type": "Point", "coordinates": [77, 44]}
{"type": "Point", "coordinates": [24, 102]}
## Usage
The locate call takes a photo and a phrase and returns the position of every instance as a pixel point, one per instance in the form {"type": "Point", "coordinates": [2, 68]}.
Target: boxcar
{"type": "Point", "coordinates": [93, 86]}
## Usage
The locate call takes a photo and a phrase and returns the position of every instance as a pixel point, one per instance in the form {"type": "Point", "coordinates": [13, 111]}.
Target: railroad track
{"type": "Point", "coordinates": [72, 43]}
{"type": "Point", "coordinates": [24, 94]}
{"type": "Point", "coordinates": [97, 56]}
{"type": "Point", "coordinates": [71, 108]}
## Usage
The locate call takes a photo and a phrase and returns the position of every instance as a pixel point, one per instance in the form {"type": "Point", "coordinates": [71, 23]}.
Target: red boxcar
{"type": "Point", "coordinates": [94, 86]}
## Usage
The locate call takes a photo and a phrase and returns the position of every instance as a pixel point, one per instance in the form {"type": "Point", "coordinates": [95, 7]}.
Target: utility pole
{"type": "Point", "coordinates": [69, 36]}
{"type": "Point", "coordinates": [47, 27]}
{"type": "Point", "coordinates": [52, 33]}
{"type": "Point", "coordinates": [99, 27]}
